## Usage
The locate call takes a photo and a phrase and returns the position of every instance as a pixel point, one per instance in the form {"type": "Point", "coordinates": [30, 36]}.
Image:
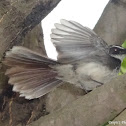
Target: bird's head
{"type": "Point", "coordinates": [117, 52]}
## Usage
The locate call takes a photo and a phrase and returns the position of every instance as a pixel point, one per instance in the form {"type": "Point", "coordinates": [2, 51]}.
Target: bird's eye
{"type": "Point", "coordinates": [115, 49]}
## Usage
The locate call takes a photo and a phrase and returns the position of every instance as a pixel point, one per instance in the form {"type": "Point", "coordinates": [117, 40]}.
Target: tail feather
{"type": "Point", "coordinates": [30, 72]}
{"type": "Point", "coordinates": [25, 57]}
{"type": "Point", "coordinates": [36, 92]}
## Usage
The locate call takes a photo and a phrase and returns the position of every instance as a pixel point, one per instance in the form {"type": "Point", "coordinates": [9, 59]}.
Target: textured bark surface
{"type": "Point", "coordinates": [34, 40]}
{"type": "Point", "coordinates": [119, 120]}
{"type": "Point", "coordinates": [20, 16]}
{"type": "Point", "coordinates": [93, 109]}
{"type": "Point", "coordinates": [15, 110]}
{"type": "Point", "coordinates": [16, 19]}
{"type": "Point", "coordinates": [112, 24]}
{"type": "Point", "coordinates": [62, 96]}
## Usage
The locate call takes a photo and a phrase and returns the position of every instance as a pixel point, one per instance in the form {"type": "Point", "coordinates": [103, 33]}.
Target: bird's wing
{"type": "Point", "coordinates": [74, 42]}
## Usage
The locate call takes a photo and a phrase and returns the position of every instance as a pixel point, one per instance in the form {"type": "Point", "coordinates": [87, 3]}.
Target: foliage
{"type": "Point", "coordinates": [123, 65]}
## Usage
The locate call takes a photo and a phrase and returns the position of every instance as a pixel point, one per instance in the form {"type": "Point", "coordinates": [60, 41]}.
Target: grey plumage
{"type": "Point", "coordinates": [75, 42]}
{"type": "Point", "coordinates": [30, 73]}
{"type": "Point", "coordinates": [84, 59]}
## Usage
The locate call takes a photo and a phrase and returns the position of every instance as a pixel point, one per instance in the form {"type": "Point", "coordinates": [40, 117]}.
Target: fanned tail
{"type": "Point", "coordinates": [29, 72]}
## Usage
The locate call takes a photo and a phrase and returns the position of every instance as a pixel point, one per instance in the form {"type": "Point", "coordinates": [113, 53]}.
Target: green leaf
{"type": "Point", "coordinates": [124, 44]}
{"type": "Point", "coordinates": [123, 65]}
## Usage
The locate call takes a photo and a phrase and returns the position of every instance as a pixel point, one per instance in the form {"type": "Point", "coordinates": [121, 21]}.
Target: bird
{"type": "Point", "coordinates": [84, 60]}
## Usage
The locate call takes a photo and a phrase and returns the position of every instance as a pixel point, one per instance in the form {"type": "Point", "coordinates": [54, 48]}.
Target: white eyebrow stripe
{"type": "Point", "coordinates": [118, 46]}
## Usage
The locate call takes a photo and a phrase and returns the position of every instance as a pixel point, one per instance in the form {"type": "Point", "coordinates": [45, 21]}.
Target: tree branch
{"type": "Point", "coordinates": [93, 109]}
{"type": "Point", "coordinates": [19, 17]}
{"type": "Point", "coordinates": [119, 120]}
{"type": "Point", "coordinates": [112, 24]}
{"type": "Point", "coordinates": [16, 19]}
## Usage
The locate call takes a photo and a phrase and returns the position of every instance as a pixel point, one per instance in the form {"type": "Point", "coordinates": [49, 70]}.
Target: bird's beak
{"type": "Point", "coordinates": [124, 51]}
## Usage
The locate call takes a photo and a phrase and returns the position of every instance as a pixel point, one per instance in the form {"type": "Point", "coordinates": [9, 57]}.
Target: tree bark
{"type": "Point", "coordinates": [19, 17]}
{"type": "Point", "coordinates": [94, 109]}
{"type": "Point", "coordinates": [20, 24]}
{"type": "Point", "coordinates": [112, 24]}
{"type": "Point", "coordinates": [16, 19]}
{"type": "Point", "coordinates": [34, 40]}
{"type": "Point", "coordinates": [119, 120]}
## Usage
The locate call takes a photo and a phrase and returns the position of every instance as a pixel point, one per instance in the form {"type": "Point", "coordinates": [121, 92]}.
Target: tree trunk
{"type": "Point", "coordinates": [20, 24]}
{"type": "Point", "coordinates": [94, 109]}
{"type": "Point", "coordinates": [112, 24]}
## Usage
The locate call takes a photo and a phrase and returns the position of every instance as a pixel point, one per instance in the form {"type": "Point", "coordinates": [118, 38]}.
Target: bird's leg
{"type": "Point", "coordinates": [84, 88]}
{"type": "Point", "coordinates": [87, 91]}
{"type": "Point", "coordinates": [97, 81]}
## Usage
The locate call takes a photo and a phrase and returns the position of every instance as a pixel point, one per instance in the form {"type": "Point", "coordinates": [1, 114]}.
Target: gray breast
{"type": "Point", "coordinates": [86, 75]}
